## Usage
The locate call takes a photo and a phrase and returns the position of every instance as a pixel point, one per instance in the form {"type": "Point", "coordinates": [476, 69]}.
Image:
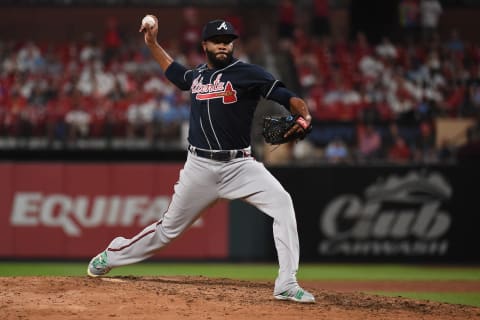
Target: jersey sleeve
{"type": "Point", "coordinates": [263, 81]}
{"type": "Point", "coordinates": [179, 75]}
{"type": "Point", "coordinates": [282, 95]}
{"type": "Point", "coordinates": [271, 88]}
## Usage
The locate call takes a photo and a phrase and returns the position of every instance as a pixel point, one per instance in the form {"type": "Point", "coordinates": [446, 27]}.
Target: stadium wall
{"type": "Point", "coordinates": [60, 24]}
{"type": "Point", "coordinates": [68, 210]}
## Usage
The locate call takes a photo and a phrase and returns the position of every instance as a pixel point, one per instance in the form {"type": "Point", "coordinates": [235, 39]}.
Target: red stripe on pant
{"type": "Point", "coordinates": [134, 241]}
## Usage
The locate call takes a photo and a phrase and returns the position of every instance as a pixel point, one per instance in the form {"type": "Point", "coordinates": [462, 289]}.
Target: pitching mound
{"type": "Point", "coordinates": [202, 298]}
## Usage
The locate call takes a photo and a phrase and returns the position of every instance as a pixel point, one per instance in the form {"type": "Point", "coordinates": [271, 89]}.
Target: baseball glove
{"type": "Point", "coordinates": [275, 128]}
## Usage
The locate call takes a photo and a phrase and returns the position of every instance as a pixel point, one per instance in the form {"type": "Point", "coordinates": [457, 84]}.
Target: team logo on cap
{"type": "Point", "coordinates": [217, 89]}
{"type": "Point", "coordinates": [223, 26]}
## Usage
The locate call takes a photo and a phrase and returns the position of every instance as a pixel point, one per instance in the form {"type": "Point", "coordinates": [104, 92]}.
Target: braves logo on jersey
{"type": "Point", "coordinates": [217, 89]}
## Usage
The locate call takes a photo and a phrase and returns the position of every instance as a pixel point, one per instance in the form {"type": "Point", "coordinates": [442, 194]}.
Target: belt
{"type": "Point", "coordinates": [220, 155]}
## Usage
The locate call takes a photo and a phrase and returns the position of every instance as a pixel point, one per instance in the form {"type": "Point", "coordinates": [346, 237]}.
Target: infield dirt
{"type": "Point", "coordinates": [213, 299]}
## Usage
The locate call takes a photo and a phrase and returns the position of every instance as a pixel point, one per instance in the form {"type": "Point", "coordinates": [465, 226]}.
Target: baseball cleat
{"type": "Point", "coordinates": [98, 266]}
{"type": "Point", "coordinates": [296, 294]}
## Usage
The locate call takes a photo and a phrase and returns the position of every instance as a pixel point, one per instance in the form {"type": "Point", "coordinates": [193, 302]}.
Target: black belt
{"type": "Point", "coordinates": [219, 155]}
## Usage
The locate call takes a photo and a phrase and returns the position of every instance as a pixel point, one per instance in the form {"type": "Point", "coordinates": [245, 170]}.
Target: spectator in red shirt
{"type": "Point", "coordinates": [399, 151]}
{"type": "Point", "coordinates": [286, 20]}
{"type": "Point", "coordinates": [369, 143]}
{"type": "Point", "coordinates": [111, 40]}
{"type": "Point", "coordinates": [191, 31]}
{"type": "Point", "coordinates": [320, 18]}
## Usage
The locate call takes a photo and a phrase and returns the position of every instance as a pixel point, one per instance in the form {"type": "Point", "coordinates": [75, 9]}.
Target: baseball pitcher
{"type": "Point", "coordinates": [224, 94]}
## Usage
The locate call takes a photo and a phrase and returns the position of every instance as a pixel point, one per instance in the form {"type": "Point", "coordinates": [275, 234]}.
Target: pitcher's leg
{"type": "Point", "coordinates": [256, 185]}
{"type": "Point", "coordinates": [286, 241]}
{"type": "Point", "coordinates": [194, 191]}
{"type": "Point", "coordinates": [122, 251]}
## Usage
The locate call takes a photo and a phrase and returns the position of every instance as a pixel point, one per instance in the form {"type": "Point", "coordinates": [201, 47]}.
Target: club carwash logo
{"type": "Point", "coordinates": [75, 213]}
{"type": "Point", "coordinates": [399, 215]}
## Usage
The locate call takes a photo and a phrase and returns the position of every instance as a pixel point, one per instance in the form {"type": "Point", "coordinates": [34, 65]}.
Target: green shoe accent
{"type": "Point", "coordinates": [296, 294]}
{"type": "Point", "coordinates": [100, 262]}
{"type": "Point", "coordinates": [299, 294]}
{"type": "Point", "coordinates": [98, 266]}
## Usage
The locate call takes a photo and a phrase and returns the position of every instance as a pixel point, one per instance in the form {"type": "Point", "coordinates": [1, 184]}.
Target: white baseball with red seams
{"type": "Point", "coordinates": [148, 21]}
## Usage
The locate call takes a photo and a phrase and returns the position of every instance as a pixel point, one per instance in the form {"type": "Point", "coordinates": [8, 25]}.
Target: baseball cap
{"type": "Point", "coordinates": [218, 28]}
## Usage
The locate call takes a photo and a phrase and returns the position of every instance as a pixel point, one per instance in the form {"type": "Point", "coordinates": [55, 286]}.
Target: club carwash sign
{"type": "Point", "coordinates": [397, 215]}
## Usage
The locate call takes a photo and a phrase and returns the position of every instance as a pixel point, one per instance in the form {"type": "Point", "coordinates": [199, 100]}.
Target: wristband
{"type": "Point", "coordinates": [302, 122]}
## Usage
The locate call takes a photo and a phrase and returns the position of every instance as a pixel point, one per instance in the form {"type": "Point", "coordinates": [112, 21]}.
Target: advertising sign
{"type": "Point", "coordinates": [75, 210]}
{"type": "Point", "coordinates": [385, 213]}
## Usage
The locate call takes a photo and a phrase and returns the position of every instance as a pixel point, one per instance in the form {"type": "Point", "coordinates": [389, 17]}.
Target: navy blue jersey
{"type": "Point", "coordinates": [223, 102]}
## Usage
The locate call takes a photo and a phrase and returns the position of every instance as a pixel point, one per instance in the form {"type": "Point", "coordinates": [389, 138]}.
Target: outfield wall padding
{"type": "Point", "coordinates": [69, 210]}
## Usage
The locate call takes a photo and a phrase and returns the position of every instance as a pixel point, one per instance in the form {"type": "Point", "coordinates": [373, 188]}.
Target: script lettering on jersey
{"type": "Point", "coordinates": [217, 89]}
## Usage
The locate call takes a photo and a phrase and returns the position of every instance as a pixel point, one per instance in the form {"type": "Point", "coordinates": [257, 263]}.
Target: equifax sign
{"type": "Point", "coordinates": [73, 210]}
{"type": "Point", "coordinates": [74, 213]}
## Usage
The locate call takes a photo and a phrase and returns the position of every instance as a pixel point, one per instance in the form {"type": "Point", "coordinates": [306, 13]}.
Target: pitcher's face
{"type": "Point", "coordinates": [219, 51]}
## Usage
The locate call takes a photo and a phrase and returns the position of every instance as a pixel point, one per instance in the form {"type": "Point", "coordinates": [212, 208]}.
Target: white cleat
{"type": "Point", "coordinates": [296, 294]}
{"type": "Point", "coordinates": [98, 266]}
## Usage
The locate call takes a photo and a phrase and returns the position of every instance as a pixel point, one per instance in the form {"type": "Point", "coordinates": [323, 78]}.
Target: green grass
{"type": "Point", "coordinates": [388, 272]}
{"type": "Point", "coordinates": [252, 271]}
{"type": "Point", "coordinates": [465, 298]}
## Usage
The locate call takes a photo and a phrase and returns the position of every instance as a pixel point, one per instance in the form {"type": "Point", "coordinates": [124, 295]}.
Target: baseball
{"type": "Point", "coordinates": [148, 21]}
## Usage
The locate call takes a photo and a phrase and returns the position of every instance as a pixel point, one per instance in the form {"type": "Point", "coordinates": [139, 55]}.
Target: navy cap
{"type": "Point", "coordinates": [218, 28]}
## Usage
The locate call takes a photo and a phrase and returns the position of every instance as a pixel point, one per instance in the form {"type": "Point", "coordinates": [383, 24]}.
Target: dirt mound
{"type": "Point", "coordinates": [200, 298]}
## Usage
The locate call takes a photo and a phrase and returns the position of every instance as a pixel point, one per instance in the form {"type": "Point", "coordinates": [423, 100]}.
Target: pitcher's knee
{"type": "Point", "coordinates": [169, 235]}
{"type": "Point", "coordinates": [284, 200]}
{"type": "Point", "coordinates": [170, 229]}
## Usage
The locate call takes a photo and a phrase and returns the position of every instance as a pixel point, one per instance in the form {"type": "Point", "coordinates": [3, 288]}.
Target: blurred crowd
{"type": "Point", "coordinates": [369, 101]}
{"type": "Point", "coordinates": [100, 86]}
{"type": "Point", "coordinates": [381, 100]}
{"type": "Point", "coordinates": [85, 89]}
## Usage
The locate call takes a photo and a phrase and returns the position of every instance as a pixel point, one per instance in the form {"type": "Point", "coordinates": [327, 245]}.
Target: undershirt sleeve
{"type": "Point", "coordinates": [281, 95]}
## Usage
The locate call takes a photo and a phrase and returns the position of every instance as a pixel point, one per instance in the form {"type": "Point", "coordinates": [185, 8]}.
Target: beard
{"type": "Point", "coordinates": [217, 62]}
